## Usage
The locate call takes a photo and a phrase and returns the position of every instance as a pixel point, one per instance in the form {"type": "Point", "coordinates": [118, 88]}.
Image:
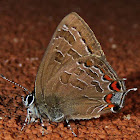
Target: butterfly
{"type": "Point", "coordinates": [74, 80]}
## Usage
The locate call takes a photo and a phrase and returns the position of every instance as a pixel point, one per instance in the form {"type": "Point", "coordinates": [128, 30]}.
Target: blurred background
{"type": "Point", "coordinates": [26, 27]}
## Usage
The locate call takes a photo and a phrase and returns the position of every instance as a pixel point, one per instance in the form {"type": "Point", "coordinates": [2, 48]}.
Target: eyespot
{"type": "Point", "coordinates": [115, 86]}
{"type": "Point", "coordinates": [115, 109]}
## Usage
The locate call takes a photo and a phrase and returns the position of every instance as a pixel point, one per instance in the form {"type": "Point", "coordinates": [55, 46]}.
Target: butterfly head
{"type": "Point", "coordinates": [32, 112]}
{"type": "Point", "coordinates": [28, 100]}
{"type": "Point", "coordinates": [116, 101]}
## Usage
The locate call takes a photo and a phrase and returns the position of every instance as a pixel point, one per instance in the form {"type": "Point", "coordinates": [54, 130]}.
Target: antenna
{"type": "Point", "coordinates": [16, 84]}
{"type": "Point", "coordinates": [132, 89]}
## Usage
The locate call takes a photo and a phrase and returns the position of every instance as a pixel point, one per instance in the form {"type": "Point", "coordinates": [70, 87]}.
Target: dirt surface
{"type": "Point", "coordinates": [26, 28]}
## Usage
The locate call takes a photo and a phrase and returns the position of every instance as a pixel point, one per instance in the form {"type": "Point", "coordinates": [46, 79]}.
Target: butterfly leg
{"type": "Point", "coordinates": [42, 124]}
{"type": "Point", "coordinates": [67, 121]}
{"type": "Point", "coordinates": [24, 124]}
{"type": "Point", "coordinates": [27, 120]}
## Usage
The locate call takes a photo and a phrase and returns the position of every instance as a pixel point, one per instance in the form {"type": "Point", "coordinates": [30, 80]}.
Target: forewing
{"type": "Point", "coordinates": [72, 39]}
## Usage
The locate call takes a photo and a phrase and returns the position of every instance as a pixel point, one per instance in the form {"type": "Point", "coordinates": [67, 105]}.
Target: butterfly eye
{"type": "Point", "coordinates": [28, 100]}
{"type": "Point", "coordinates": [115, 109]}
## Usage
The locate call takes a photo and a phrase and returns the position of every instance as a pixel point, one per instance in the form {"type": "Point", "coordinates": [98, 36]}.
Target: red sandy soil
{"type": "Point", "coordinates": [26, 28]}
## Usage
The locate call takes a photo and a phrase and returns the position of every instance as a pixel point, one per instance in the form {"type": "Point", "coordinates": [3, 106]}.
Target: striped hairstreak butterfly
{"type": "Point", "coordinates": [74, 80]}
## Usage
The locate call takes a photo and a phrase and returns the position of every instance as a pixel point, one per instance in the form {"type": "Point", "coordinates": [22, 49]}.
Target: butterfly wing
{"type": "Point", "coordinates": [69, 76]}
{"type": "Point", "coordinates": [67, 44]}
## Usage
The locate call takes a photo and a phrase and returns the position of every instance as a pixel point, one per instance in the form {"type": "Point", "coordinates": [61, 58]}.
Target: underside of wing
{"type": "Point", "coordinates": [72, 40]}
{"type": "Point", "coordinates": [74, 76]}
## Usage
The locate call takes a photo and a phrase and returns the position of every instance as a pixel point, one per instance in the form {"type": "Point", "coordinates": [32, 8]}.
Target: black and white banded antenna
{"type": "Point", "coordinates": [16, 84]}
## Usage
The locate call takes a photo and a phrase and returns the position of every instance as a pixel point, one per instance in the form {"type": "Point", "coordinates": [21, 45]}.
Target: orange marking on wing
{"type": "Point", "coordinates": [103, 70]}
{"type": "Point", "coordinates": [107, 78]}
{"type": "Point", "coordinates": [89, 63]}
{"type": "Point", "coordinates": [114, 86]}
{"type": "Point", "coordinates": [111, 105]}
{"type": "Point", "coordinates": [108, 98]}
{"type": "Point", "coordinates": [91, 48]}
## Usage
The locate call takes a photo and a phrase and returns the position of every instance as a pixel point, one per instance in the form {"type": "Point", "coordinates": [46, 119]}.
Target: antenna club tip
{"type": "Point", "coordinates": [135, 89]}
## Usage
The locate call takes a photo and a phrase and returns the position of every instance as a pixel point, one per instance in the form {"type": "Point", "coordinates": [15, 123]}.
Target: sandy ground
{"type": "Point", "coordinates": [26, 28]}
